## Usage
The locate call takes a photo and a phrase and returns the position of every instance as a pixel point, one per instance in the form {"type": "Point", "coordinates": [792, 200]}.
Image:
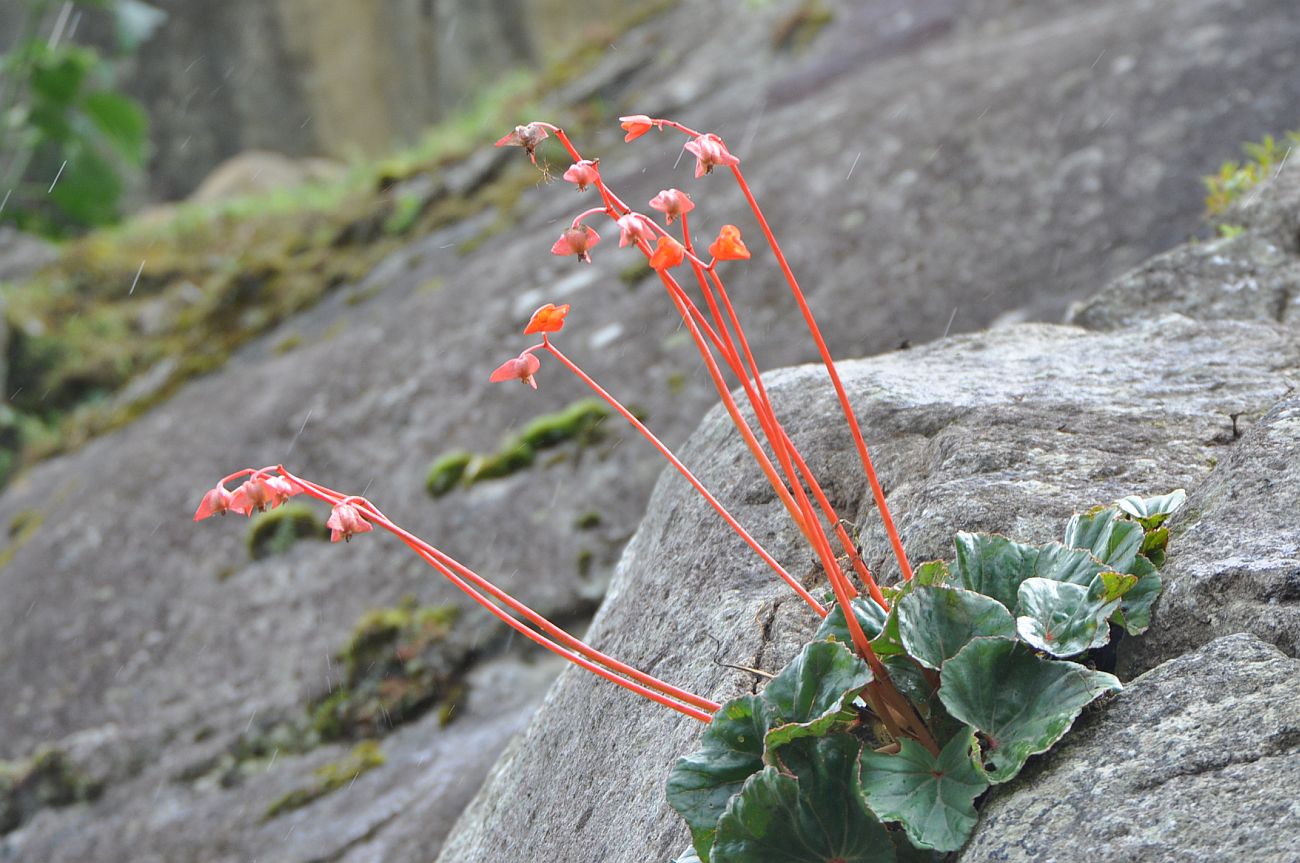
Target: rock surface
{"type": "Point", "coordinates": [1010, 431]}
{"type": "Point", "coordinates": [146, 644]}
{"type": "Point", "coordinates": [1192, 761]}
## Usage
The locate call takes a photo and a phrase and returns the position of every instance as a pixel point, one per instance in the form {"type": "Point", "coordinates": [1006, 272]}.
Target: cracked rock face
{"type": "Point", "coordinates": [1196, 760]}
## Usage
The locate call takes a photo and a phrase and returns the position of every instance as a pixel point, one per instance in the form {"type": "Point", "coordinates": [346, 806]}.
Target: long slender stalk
{"type": "Point", "coordinates": [585, 656]}
{"type": "Point", "coordinates": [690, 477]}
{"type": "Point", "coordinates": [876, 490]}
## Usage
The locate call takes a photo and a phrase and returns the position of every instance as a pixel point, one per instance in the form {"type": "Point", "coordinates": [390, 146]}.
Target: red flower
{"type": "Point", "coordinates": [218, 501]}
{"type": "Point", "coordinates": [346, 520]}
{"type": "Point", "coordinates": [527, 137]}
{"type": "Point", "coordinates": [728, 246]}
{"type": "Point", "coordinates": [576, 240]}
{"type": "Point", "coordinates": [710, 153]}
{"type": "Point", "coordinates": [672, 203]}
{"type": "Point", "coordinates": [548, 319]}
{"type": "Point", "coordinates": [668, 253]}
{"type": "Point", "coordinates": [281, 489]}
{"type": "Point", "coordinates": [636, 125]}
{"type": "Point", "coordinates": [254, 494]}
{"type": "Point", "coordinates": [583, 173]}
{"type": "Point", "coordinates": [634, 227]}
{"type": "Point", "coordinates": [521, 368]}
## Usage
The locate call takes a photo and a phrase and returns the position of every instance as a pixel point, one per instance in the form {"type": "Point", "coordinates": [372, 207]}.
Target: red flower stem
{"type": "Point", "coordinates": [839, 584]}
{"type": "Point", "coordinates": [691, 478]}
{"type": "Point", "coordinates": [876, 491]}
{"type": "Point", "coordinates": [758, 399]}
{"type": "Point", "coordinates": [680, 302]}
{"type": "Point", "coordinates": [459, 575]}
{"type": "Point", "coordinates": [832, 517]}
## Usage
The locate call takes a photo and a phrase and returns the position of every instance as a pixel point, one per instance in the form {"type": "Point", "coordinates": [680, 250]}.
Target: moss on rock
{"type": "Point", "coordinates": [275, 531]}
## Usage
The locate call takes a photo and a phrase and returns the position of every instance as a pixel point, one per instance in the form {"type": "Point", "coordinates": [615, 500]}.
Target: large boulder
{"type": "Point", "coordinates": [919, 166]}
{"type": "Point", "coordinates": [1212, 731]}
{"type": "Point", "coordinates": [1008, 431]}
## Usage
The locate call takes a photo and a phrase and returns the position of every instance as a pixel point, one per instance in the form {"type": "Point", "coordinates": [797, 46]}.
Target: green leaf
{"type": "Point", "coordinates": [871, 618]}
{"type": "Point", "coordinates": [731, 750]}
{"type": "Point", "coordinates": [936, 622]}
{"type": "Point", "coordinates": [932, 573]}
{"type": "Point", "coordinates": [88, 189]}
{"type": "Point", "coordinates": [1113, 541]}
{"type": "Point", "coordinates": [57, 77]}
{"type": "Point", "coordinates": [1114, 585]}
{"type": "Point", "coordinates": [1134, 612]}
{"type": "Point", "coordinates": [809, 693]}
{"type": "Point", "coordinates": [933, 797]}
{"type": "Point", "coordinates": [817, 815]}
{"type": "Point", "coordinates": [1020, 702]}
{"type": "Point", "coordinates": [1062, 618]}
{"type": "Point", "coordinates": [121, 121]}
{"type": "Point", "coordinates": [1152, 511]}
{"type": "Point", "coordinates": [993, 565]}
{"type": "Point", "coordinates": [1062, 563]}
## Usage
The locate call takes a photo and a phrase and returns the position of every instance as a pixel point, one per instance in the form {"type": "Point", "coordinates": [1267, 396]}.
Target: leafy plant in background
{"type": "Point", "coordinates": [902, 712]}
{"type": "Point", "coordinates": [1235, 179]}
{"type": "Point", "coordinates": [67, 137]}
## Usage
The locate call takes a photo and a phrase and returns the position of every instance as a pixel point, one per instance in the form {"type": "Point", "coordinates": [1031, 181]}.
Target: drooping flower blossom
{"type": "Point", "coordinates": [528, 137]}
{"type": "Point", "coordinates": [728, 246]}
{"type": "Point", "coordinates": [583, 173]}
{"type": "Point", "coordinates": [521, 368]}
{"type": "Point", "coordinates": [710, 153]}
{"type": "Point", "coordinates": [668, 253]}
{"type": "Point", "coordinates": [254, 494]}
{"type": "Point", "coordinates": [218, 501]}
{"type": "Point", "coordinates": [576, 240]}
{"type": "Point", "coordinates": [634, 227]}
{"type": "Point", "coordinates": [281, 489]}
{"type": "Point", "coordinates": [548, 319]}
{"type": "Point", "coordinates": [346, 520]}
{"type": "Point", "coordinates": [635, 125]}
{"type": "Point", "coordinates": [672, 203]}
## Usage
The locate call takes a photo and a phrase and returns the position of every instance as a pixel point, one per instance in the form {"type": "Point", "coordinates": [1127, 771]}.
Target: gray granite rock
{"type": "Point", "coordinates": [1008, 431]}
{"type": "Point", "coordinates": [1195, 760]}
{"type": "Point", "coordinates": [1236, 565]}
{"type": "Point", "coordinates": [927, 164]}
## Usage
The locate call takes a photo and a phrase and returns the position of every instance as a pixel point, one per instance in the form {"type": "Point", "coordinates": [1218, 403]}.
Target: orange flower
{"type": "Point", "coordinates": [548, 319]}
{"type": "Point", "coordinates": [668, 253]}
{"type": "Point", "coordinates": [218, 501]}
{"type": "Point", "coordinates": [636, 125]}
{"type": "Point", "coordinates": [728, 246]}
{"type": "Point", "coordinates": [345, 521]}
{"type": "Point", "coordinates": [583, 173]}
{"type": "Point", "coordinates": [521, 368]}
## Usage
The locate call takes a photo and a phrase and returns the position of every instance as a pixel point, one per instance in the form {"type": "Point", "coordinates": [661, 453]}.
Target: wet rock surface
{"type": "Point", "coordinates": [1212, 731]}
{"type": "Point", "coordinates": [918, 163]}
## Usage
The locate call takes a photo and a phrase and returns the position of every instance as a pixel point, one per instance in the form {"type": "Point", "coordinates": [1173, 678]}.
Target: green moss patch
{"type": "Point", "coordinates": [275, 531]}
{"type": "Point", "coordinates": [396, 667]}
{"type": "Point", "coordinates": [46, 779]}
{"type": "Point", "coordinates": [363, 758]}
{"type": "Point", "coordinates": [580, 423]}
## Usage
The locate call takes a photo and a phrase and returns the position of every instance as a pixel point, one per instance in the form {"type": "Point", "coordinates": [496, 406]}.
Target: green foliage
{"type": "Point", "coordinates": [446, 471]}
{"type": "Point", "coordinates": [67, 138]}
{"type": "Point", "coordinates": [363, 758]}
{"type": "Point", "coordinates": [580, 423]}
{"type": "Point", "coordinates": [806, 770]}
{"type": "Point", "coordinates": [275, 531]}
{"type": "Point", "coordinates": [1235, 179]}
{"type": "Point", "coordinates": [395, 668]}
{"type": "Point", "coordinates": [48, 778]}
